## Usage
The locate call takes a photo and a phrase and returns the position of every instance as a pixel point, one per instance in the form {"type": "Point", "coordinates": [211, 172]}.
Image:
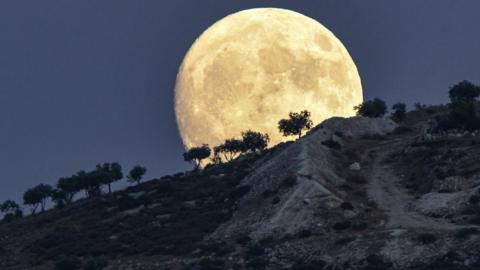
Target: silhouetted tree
{"type": "Point", "coordinates": [230, 149]}
{"type": "Point", "coordinates": [11, 210]}
{"type": "Point", "coordinates": [399, 110]}
{"type": "Point", "coordinates": [109, 173]}
{"type": "Point", "coordinates": [136, 174]}
{"type": "Point", "coordinates": [89, 182]}
{"type": "Point", "coordinates": [59, 197]}
{"type": "Point", "coordinates": [116, 174]}
{"type": "Point", "coordinates": [296, 123]}
{"type": "Point", "coordinates": [37, 196]}
{"type": "Point", "coordinates": [462, 104]}
{"type": "Point", "coordinates": [254, 141]}
{"type": "Point", "coordinates": [371, 108]}
{"type": "Point", "coordinates": [70, 186]}
{"type": "Point", "coordinates": [197, 154]}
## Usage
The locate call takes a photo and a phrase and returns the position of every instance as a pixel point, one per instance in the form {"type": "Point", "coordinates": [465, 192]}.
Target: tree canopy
{"type": "Point", "coordinates": [371, 108]}
{"type": "Point", "coordinates": [254, 141]}
{"type": "Point", "coordinates": [295, 124]}
{"type": "Point", "coordinates": [399, 110]}
{"type": "Point", "coordinates": [136, 174]}
{"type": "Point", "coordinates": [197, 154]}
{"type": "Point", "coordinates": [230, 149]}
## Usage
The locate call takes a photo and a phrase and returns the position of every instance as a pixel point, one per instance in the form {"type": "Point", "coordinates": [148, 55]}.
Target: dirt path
{"type": "Point", "coordinates": [385, 189]}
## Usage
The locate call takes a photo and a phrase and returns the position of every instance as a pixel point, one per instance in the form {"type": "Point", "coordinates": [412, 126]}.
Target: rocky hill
{"type": "Point", "coordinates": [356, 193]}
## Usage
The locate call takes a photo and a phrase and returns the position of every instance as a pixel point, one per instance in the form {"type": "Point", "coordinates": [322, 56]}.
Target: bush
{"type": "Point", "coordinates": [474, 199]}
{"type": "Point", "coordinates": [304, 233]}
{"type": "Point", "coordinates": [332, 144]}
{"type": "Point", "coordinates": [426, 238]}
{"type": "Point", "coordinates": [67, 263]}
{"type": "Point", "coordinates": [372, 108]}
{"type": "Point", "coordinates": [339, 226]}
{"type": "Point", "coordinates": [276, 200]}
{"type": "Point", "coordinates": [98, 263]}
{"type": "Point", "coordinates": [257, 263]}
{"type": "Point", "coordinates": [401, 130]}
{"type": "Point", "coordinates": [346, 206]}
{"type": "Point", "coordinates": [357, 179]}
{"type": "Point", "coordinates": [255, 250]}
{"type": "Point", "coordinates": [399, 110]}
{"type": "Point", "coordinates": [289, 181]}
{"type": "Point", "coordinates": [126, 202]}
{"type": "Point", "coordinates": [313, 265]}
{"type": "Point", "coordinates": [466, 232]}
{"type": "Point", "coordinates": [239, 192]}
{"type": "Point", "coordinates": [361, 226]}
{"type": "Point", "coordinates": [210, 264]}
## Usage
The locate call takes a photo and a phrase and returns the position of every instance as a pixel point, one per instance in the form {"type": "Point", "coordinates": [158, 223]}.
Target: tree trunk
{"type": "Point", "coordinates": [109, 188]}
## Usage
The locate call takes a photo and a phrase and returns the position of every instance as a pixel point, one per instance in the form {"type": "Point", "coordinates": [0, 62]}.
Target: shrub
{"type": "Point", "coordinates": [276, 200]}
{"type": "Point", "coordinates": [239, 192]}
{"type": "Point", "coordinates": [474, 199]}
{"type": "Point", "coordinates": [312, 265]}
{"type": "Point", "coordinates": [339, 226]}
{"type": "Point", "coordinates": [304, 233]}
{"type": "Point", "coordinates": [98, 263]}
{"type": "Point", "coordinates": [339, 134]}
{"type": "Point", "coordinates": [426, 238]}
{"type": "Point", "coordinates": [399, 110]}
{"type": "Point", "coordinates": [255, 250]}
{"type": "Point", "coordinates": [346, 206]}
{"type": "Point", "coordinates": [289, 181]}
{"type": "Point", "coordinates": [371, 108]}
{"type": "Point", "coordinates": [243, 239]}
{"type": "Point", "coordinates": [466, 232]}
{"type": "Point", "coordinates": [376, 137]}
{"type": "Point", "coordinates": [257, 263]}
{"type": "Point", "coordinates": [67, 263]}
{"type": "Point", "coordinates": [361, 226]}
{"type": "Point", "coordinates": [330, 143]}
{"type": "Point", "coordinates": [401, 130]}
{"type": "Point", "coordinates": [211, 264]}
{"type": "Point", "coordinates": [267, 193]}
{"type": "Point", "coordinates": [357, 179]}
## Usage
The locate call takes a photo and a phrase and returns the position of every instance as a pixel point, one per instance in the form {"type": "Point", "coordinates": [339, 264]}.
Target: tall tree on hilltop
{"type": "Point", "coordinates": [136, 174]}
{"type": "Point", "coordinates": [254, 141]}
{"type": "Point", "coordinates": [230, 149]}
{"type": "Point", "coordinates": [295, 124]}
{"type": "Point", "coordinates": [197, 154]}
{"type": "Point", "coordinates": [462, 104]}
{"type": "Point", "coordinates": [371, 108]}
{"type": "Point", "coordinates": [399, 110]}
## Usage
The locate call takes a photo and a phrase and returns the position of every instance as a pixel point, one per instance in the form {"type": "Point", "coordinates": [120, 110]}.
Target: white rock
{"type": "Point", "coordinates": [354, 166]}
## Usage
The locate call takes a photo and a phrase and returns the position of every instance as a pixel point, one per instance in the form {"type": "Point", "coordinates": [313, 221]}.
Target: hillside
{"type": "Point", "coordinates": [356, 193]}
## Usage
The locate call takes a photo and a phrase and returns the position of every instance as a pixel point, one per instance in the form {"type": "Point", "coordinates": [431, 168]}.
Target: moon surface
{"type": "Point", "coordinates": [251, 68]}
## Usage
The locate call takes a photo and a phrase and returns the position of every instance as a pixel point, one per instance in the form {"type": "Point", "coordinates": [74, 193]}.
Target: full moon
{"type": "Point", "coordinates": [251, 68]}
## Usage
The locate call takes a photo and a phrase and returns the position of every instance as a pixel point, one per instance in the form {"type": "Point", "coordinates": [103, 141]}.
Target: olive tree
{"type": "Point", "coordinates": [371, 108]}
{"type": "Point", "coordinates": [295, 124]}
{"type": "Point", "coordinates": [136, 174]}
{"type": "Point", "coordinates": [197, 154]}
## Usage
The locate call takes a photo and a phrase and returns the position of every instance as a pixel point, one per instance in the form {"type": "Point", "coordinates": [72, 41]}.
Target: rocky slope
{"type": "Point", "coordinates": [355, 193]}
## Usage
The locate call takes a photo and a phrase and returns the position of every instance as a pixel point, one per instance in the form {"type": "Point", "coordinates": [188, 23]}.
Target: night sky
{"type": "Point", "coordinates": [83, 82]}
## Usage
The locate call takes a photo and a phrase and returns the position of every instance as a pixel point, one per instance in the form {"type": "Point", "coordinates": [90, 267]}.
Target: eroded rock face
{"type": "Point", "coordinates": [313, 164]}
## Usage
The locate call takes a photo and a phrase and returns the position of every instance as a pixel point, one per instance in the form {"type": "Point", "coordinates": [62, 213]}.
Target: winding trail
{"type": "Point", "coordinates": [385, 189]}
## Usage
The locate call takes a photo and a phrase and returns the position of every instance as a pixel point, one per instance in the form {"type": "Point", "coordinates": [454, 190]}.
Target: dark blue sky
{"type": "Point", "coordinates": [83, 82]}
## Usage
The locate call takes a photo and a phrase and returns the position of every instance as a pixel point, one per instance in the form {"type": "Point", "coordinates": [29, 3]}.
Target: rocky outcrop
{"type": "Point", "coordinates": [271, 208]}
